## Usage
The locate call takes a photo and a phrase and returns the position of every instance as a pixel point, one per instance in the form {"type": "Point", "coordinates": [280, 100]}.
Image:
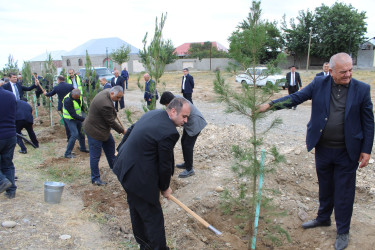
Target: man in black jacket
{"type": "Point", "coordinates": [16, 88]}
{"type": "Point", "coordinates": [118, 81]}
{"type": "Point", "coordinates": [62, 89]}
{"type": "Point", "coordinates": [144, 167]}
{"type": "Point", "coordinates": [325, 71]}
{"type": "Point", "coordinates": [293, 81]}
{"type": "Point", "coordinates": [72, 109]}
{"type": "Point", "coordinates": [187, 85]}
{"type": "Point", "coordinates": [24, 119]}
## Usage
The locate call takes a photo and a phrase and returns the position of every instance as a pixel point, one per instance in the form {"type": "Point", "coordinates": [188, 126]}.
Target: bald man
{"type": "Point", "coordinates": [118, 81]}
{"type": "Point", "coordinates": [341, 130]}
{"type": "Point", "coordinates": [150, 91]}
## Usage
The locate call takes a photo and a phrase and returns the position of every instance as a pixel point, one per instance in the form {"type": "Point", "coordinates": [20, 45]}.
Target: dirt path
{"type": "Point", "coordinates": [40, 225]}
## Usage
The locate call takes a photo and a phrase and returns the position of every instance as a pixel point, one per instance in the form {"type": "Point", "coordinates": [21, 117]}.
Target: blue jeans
{"type": "Point", "coordinates": [95, 147]}
{"type": "Point", "coordinates": [7, 169]}
{"type": "Point", "coordinates": [75, 128]}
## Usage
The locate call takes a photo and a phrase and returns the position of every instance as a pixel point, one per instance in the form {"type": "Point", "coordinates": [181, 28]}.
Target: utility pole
{"type": "Point", "coordinates": [308, 53]}
{"type": "Point", "coordinates": [106, 50]}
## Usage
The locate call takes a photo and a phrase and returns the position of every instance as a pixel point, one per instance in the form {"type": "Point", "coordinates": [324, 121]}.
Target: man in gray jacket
{"type": "Point", "coordinates": [192, 129]}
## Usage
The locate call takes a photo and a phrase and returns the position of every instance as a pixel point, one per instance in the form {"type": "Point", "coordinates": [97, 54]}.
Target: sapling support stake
{"type": "Point", "coordinates": [36, 111]}
{"type": "Point", "coordinates": [259, 198]}
{"type": "Point", "coordinates": [50, 109]}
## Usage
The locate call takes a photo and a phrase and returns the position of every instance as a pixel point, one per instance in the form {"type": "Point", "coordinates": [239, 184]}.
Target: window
{"type": "Point", "coordinates": [68, 63]}
{"type": "Point", "coordinates": [80, 63]}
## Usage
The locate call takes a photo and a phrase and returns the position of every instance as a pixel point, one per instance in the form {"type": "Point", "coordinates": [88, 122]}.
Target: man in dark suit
{"type": "Point", "coordinates": [293, 81]}
{"type": "Point", "coordinates": [125, 75]}
{"type": "Point", "coordinates": [144, 167]}
{"type": "Point", "coordinates": [8, 142]}
{"type": "Point", "coordinates": [151, 92]}
{"type": "Point", "coordinates": [62, 89]}
{"type": "Point", "coordinates": [118, 81]}
{"type": "Point", "coordinates": [24, 119]}
{"type": "Point", "coordinates": [104, 83]}
{"type": "Point", "coordinates": [16, 88]}
{"type": "Point", "coordinates": [342, 131]}
{"type": "Point", "coordinates": [325, 71]}
{"type": "Point", "coordinates": [187, 85]}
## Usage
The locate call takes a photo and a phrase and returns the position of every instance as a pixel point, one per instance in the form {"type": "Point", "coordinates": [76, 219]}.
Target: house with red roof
{"type": "Point", "coordinates": [182, 50]}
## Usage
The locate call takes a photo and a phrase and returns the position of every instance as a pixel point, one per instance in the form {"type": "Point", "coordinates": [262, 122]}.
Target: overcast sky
{"type": "Point", "coordinates": [30, 28]}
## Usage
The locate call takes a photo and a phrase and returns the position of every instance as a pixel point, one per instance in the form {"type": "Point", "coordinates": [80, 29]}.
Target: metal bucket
{"type": "Point", "coordinates": [53, 191]}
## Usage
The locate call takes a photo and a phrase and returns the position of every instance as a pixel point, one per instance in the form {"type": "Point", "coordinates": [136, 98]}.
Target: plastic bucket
{"type": "Point", "coordinates": [53, 191]}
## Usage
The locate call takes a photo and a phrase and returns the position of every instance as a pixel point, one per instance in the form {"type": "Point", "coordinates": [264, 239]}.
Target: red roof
{"type": "Point", "coordinates": [183, 49]}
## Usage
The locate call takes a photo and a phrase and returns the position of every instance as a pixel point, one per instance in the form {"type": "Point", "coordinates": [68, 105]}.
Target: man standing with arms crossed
{"type": "Point", "coordinates": [144, 167]}
{"type": "Point", "coordinates": [341, 130]}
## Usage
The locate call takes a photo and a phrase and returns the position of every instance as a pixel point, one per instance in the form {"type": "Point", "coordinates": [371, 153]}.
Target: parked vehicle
{"type": "Point", "coordinates": [100, 72]}
{"type": "Point", "coordinates": [261, 77]}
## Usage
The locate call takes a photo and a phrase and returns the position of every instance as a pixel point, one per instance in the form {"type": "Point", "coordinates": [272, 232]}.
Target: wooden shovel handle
{"type": "Point", "coordinates": [197, 217]}
{"type": "Point", "coordinates": [38, 83]}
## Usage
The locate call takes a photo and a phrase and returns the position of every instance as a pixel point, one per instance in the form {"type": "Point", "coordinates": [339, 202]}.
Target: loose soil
{"type": "Point", "coordinates": [98, 217]}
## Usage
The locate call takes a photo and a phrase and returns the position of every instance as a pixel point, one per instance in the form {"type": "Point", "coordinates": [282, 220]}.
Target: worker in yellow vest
{"type": "Point", "coordinates": [75, 80]}
{"type": "Point", "coordinates": [72, 110]}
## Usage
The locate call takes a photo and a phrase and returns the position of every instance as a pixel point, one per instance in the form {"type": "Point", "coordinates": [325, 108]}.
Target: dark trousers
{"type": "Point", "coordinates": [21, 124]}
{"type": "Point", "coordinates": [147, 222]}
{"type": "Point", "coordinates": [7, 169]}
{"type": "Point", "coordinates": [188, 143]}
{"type": "Point", "coordinates": [188, 96]}
{"type": "Point", "coordinates": [95, 147]}
{"type": "Point", "coordinates": [337, 176]}
{"type": "Point", "coordinates": [75, 128]}
{"type": "Point", "coordinates": [126, 83]}
{"type": "Point", "coordinates": [122, 104]}
{"type": "Point", "coordinates": [292, 89]}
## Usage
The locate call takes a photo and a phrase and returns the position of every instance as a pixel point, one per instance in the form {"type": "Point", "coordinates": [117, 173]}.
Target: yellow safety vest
{"type": "Point", "coordinates": [77, 108]}
{"type": "Point", "coordinates": [78, 81]}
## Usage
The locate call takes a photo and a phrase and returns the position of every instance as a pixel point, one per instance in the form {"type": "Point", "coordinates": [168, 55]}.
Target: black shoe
{"type": "Point", "coordinates": [186, 173]}
{"type": "Point", "coordinates": [23, 151]}
{"type": "Point", "coordinates": [5, 184]}
{"type": "Point", "coordinates": [181, 166]}
{"type": "Point", "coordinates": [315, 223]}
{"type": "Point", "coordinates": [85, 150]}
{"type": "Point", "coordinates": [10, 195]}
{"type": "Point", "coordinates": [342, 241]}
{"type": "Point", "coordinates": [99, 182]}
{"type": "Point", "coordinates": [71, 156]}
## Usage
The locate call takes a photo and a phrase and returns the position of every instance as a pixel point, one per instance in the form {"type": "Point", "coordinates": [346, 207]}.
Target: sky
{"type": "Point", "coordinates": [30, 28]}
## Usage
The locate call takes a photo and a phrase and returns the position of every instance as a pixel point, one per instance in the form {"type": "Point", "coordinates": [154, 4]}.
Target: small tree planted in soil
{"type": "Point", "coordinates": [155, 56]}
{"type": "Point", "coordinates": [91, 84]}
{"type": "Point", "coordinates": [245, 47]}
{"type": "Point", "coordinates": [121, 55]}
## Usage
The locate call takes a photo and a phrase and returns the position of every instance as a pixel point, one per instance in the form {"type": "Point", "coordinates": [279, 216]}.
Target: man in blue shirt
{"type": "Point", "coordinates": [125, 75]}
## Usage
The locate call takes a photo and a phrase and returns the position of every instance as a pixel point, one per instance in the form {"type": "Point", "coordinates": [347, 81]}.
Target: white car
{"type": "Point", "coordinates": [261, 77]}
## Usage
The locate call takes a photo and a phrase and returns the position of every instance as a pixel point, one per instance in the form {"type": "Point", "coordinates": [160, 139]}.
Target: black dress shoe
{"type": "Point", "coordinates": [342, 241]}
{"type": "Point", "coordinates": [5, 184]}
{"type": "Point", "coordinates": [99, 182]}
{"type": "Point", "coordinates": [315, 223]}
{"type": "Point", "coordinates": [71, 156]}
{"type": "Point", "coordinates": [181, 166]}
{"type": "Point", "coordinates": [23, 151]}
{"type": "Point", "coordinates": [85, 150]}
{"type": "Point", "coordinates": [10, 195]}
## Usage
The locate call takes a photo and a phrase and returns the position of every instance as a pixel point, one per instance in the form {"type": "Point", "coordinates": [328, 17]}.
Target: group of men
{"type": "Point", "coordinates": [341, 130]}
